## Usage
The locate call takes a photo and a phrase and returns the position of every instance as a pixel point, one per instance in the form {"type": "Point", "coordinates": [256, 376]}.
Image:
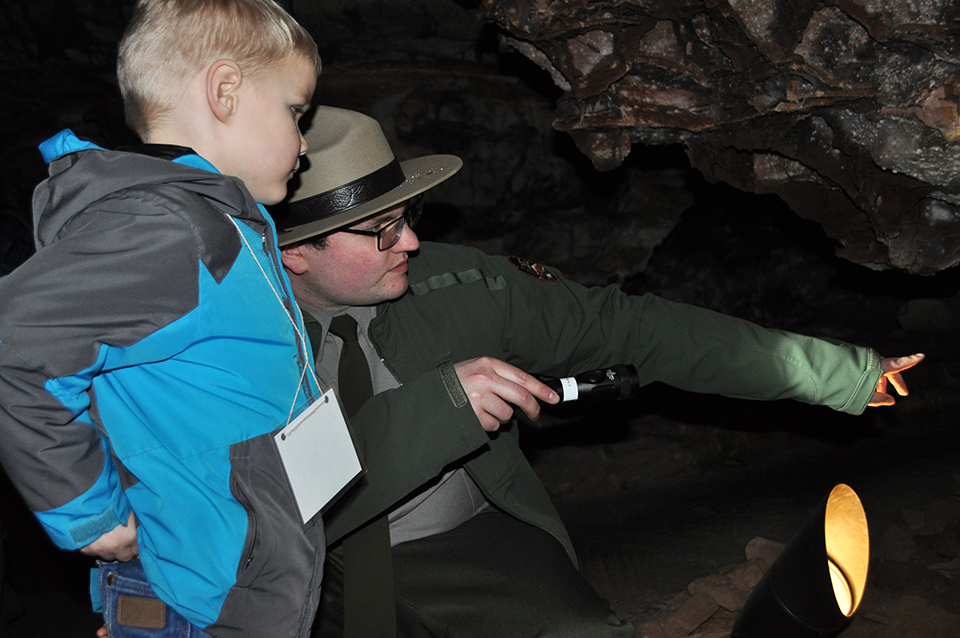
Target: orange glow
{"type": "Point", "coordinates": [841, 589]}
{"type": "Point", "coordinates": [848, 547]}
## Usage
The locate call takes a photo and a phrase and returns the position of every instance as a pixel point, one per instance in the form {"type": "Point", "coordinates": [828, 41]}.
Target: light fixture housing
{"type": "Point", "coordinates": [816, 585]}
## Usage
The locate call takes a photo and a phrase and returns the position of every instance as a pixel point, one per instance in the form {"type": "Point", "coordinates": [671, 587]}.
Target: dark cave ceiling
{"type": "Point", "coordinates": [847, 109]}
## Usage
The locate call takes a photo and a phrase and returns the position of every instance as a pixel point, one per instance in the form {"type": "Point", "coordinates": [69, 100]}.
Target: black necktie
{"type": "Point", "coordinates": [353, 383]}
{"type": "Point", "coordinates": [369, 608]}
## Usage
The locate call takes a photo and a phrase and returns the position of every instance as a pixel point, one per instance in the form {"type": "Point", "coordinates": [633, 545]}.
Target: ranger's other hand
{"type": "Point", "coordinates": [892, 367]}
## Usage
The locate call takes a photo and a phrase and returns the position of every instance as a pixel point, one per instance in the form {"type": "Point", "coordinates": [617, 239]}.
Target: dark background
{"type": "Point", "coordinates": [659, 490]}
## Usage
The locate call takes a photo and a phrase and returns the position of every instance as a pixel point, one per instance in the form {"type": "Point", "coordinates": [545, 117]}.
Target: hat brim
{"type": "Point", "coordinates": [420, 174]}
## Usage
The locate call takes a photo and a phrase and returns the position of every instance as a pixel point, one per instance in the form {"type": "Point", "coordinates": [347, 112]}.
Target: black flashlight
{"type": "Point", "coordinates": [615, 383]}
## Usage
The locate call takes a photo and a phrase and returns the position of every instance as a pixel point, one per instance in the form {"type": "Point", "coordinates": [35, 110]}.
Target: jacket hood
{"type": "Point", "coordinates": [82, 173]}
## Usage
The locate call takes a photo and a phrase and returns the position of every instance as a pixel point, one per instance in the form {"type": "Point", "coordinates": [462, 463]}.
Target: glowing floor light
{"type": "Point", "coordinates": [841, 589]}
{"type": "Point", "coordinates": [817, 583]}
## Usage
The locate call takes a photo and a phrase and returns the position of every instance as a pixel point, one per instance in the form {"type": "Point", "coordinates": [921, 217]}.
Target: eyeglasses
{"type": "Point", "coordinates": [389, 234]}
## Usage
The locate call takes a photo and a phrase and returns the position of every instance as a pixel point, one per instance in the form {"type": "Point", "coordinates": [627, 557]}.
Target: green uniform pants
{"type": "Point", "coordinates": [491, 577]}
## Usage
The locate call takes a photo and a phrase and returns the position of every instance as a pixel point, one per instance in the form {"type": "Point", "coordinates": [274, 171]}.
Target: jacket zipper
{"type": "Point", "coordinates": [271, 254]}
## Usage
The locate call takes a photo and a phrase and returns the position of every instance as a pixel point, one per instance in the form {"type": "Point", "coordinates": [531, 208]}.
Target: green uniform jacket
{"type": "Point", "coordinates": [464, 304]}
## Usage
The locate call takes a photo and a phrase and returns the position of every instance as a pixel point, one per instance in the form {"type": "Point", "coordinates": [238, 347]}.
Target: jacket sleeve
{"type": "Point", "coordinates": [560, 327]}
{"type": "Point", "coordinates": [402, 447]}
{"type": "Point", "coordinates": [112, 279]}
{"type": "Point", "coordinates": [536, 319]}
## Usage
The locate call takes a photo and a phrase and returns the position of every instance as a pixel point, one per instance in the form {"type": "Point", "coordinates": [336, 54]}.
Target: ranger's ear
{"type": "Point", "coordinates": [293, 259]}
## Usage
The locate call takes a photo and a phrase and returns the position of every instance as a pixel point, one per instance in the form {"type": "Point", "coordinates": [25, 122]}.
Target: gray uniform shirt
{"type": "Point", "coordinates": [442, 504]}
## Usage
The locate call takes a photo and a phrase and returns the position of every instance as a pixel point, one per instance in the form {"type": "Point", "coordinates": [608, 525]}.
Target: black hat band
{"type": "Point", "coordinates": [343, 198]}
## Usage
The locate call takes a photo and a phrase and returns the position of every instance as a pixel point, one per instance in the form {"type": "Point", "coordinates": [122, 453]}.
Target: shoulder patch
{"type": "Point", "coordinates": [447, 279]}
{"type": "Point", "coordinates": [533, 269]}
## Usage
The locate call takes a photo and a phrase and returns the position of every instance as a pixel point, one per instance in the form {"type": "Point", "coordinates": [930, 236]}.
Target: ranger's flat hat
{"type": "Point", "coordinates": [353, 174]}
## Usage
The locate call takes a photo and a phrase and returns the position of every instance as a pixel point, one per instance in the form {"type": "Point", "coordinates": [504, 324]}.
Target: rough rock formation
{"type": "Point", "coordinates": [847, 109]}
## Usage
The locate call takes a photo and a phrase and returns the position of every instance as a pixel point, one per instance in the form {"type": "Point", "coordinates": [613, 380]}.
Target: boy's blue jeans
{"type": "Point", "coordinates": [132, 610]}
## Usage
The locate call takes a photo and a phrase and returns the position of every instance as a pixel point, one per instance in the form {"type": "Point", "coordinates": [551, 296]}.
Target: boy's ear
{"type": "Point", "coordinates": [223, 80]}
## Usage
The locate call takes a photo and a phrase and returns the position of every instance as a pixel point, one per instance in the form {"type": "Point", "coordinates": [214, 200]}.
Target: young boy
{"type": "Point", "coordinates": [151, 347]}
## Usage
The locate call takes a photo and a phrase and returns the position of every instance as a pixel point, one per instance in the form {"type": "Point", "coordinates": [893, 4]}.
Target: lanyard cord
{"type": "Point", "coordinates": [303, 343]}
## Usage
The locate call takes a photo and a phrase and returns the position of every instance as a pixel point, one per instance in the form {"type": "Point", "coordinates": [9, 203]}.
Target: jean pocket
{"type": "Point", "coordinates": [131, 609]}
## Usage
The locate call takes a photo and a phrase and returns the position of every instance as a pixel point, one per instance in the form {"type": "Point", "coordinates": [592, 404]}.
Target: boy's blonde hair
{"type": "Point", "coordinates": [169, 41]}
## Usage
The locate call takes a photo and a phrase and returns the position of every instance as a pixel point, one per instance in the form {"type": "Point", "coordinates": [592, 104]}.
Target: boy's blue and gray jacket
{"type": "Point", "coordinates": [147, 353]}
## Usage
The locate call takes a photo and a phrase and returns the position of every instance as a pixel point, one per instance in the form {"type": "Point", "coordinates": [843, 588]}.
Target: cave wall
{"type": "Point", "coordinates": [845, 109]}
